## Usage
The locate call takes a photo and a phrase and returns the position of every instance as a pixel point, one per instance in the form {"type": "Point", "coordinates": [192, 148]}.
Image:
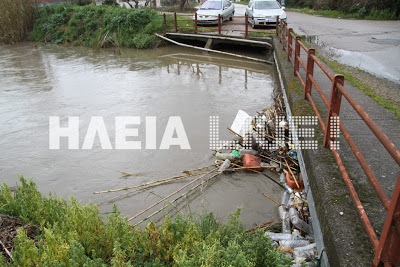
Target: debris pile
{"type": "Point", "coordinates": [264, 142]}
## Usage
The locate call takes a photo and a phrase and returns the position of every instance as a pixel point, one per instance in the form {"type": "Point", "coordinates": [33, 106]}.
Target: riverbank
{"type": "Point", "coordinates": [96, 26]}
{"type": "Point", "coordinates": [73, 234]}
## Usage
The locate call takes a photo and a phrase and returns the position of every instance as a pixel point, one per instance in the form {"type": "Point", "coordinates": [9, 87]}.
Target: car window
{"type": "Point", "coordinates": [211, 5]}
{"type": "Point", "coordinates": [267, 5]}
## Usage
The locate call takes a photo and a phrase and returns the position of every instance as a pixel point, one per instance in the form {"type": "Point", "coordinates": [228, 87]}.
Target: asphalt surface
{"type": "Point", "coordinates": [370, 45]}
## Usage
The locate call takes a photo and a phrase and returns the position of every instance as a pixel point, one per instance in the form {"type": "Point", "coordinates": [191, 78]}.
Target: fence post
{"type": "Point", "coordinates": [296, 55]}
{"type": "Point", "coordinates": [277, 26]}
{"type": "Point", "coordinates": [219, 24]}
{"type": "Point", "coordinates": [195, 23]}
{"type": "Point", "coordinates": [289, 57]}
{"type": "Point", "coordinates": [388, 248]}
{"type": "Point", "coordinates": [309, 72]}
{"type": "Point", "coordinates": [334, 109]}
{"type": "Point", "coordinates": [246, 23]}
{"type": "Point", "coordinates": [165, 20]}
{"type": "Point", "coordinates": [284, 32]}
{"type": "Point", "coordinates": [176, 22]}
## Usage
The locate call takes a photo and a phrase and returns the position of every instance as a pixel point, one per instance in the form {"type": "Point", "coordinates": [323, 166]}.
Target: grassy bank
{"type": "Point", "coordinates": [75, 235]}
{"type": "Point", "coordinates": [362, 13]}
{"type": "Point", "coordinates": [97, 26]}
{"type": "Point", "coordinates": [349, 74]}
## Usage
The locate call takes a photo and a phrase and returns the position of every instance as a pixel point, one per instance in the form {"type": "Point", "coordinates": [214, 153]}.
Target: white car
{"type": "Point", "coordinates": [209, 11]}
{"type": "Point", "coordinates": [264, 12]}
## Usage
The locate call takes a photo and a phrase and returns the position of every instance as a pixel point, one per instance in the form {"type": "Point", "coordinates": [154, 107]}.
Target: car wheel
{"type": "Point", "coordinates": [231, 18]}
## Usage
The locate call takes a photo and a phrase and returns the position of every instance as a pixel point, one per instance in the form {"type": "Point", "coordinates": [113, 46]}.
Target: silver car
{"type": "Point", "coordinates": [264, 12]}
{"type": "Point", "coordinates": [209, 11]}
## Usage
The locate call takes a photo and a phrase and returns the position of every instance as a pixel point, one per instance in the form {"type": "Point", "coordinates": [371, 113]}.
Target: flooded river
{"type": "Point", "coordinates": [39, 82]}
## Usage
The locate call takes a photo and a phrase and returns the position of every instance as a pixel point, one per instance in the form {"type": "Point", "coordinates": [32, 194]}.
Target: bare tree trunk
{"type": "Point", "coordinates": [182, 4]}
{"type": "Point", "coordinates": [127, 1]}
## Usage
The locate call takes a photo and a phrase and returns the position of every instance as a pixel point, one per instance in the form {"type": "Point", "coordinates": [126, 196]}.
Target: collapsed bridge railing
{"type": "Point", "coordinates": [388, 246]}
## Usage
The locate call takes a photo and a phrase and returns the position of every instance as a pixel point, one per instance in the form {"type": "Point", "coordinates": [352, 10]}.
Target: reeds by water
{"type": "Point", "coordinates": [16, 19]}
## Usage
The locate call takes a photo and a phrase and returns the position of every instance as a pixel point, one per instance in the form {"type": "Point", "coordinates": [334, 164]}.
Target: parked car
{"type": "Point", "coordinates": [264, 12]}
{"type": "Point", "coordinates": [209, 11]}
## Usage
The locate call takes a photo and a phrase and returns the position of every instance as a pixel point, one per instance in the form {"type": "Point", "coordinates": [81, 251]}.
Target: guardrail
{"type": "Point", "coordinates": [195, 23]}
{"type": "Point", "coordinates": [387, 248]}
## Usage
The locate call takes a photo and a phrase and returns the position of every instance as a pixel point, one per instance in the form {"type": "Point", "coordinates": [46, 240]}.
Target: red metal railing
{"type": "Point", "coordinates": [192, 22]}
{"type": "Point", "coordinates": [387, 248]}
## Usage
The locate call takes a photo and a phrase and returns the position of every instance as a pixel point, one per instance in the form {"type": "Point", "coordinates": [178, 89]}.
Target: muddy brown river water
{"type": "Point", "coordinates": [39, 82]}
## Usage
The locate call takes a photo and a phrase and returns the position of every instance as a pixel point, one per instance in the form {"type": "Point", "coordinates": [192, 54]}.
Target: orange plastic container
{"type": "Point", "coordinates": [290, 182]}
{"type": "Point", "coordinates": [251, 161]}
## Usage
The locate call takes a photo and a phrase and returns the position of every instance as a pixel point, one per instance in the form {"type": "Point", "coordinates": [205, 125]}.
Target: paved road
{"type": "Point", "coordinates": [370, 45]}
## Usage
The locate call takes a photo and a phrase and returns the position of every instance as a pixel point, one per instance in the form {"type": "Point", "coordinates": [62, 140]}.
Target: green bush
{"type": "Point", "coordinates": [97, 26]}
{"type": "Point", "coordinates": [77, 235]}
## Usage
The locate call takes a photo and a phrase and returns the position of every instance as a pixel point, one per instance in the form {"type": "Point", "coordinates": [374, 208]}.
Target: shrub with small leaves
{"type": "Point", "coordinates": [76, 235]}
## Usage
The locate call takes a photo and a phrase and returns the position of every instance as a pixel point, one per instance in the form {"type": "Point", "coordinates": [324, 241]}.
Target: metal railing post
{"type": "Point", "coordinates": [289, 44]}
{"type": "Point", "coordinates": [246, 17]}
{"type": "Point", "coordinates": [277, 26]}
{"type": "Point", "coordinates": [176, 22]}
{"type": "Point", "coordinates": [165, 20]}
{"type": "Point", "coordinates": [296, 55]}
{"type": "Point", "coordinates": [387, 251]}
{"type": "Point", "coordinates": [334, 110]}
{"type": "Point", "coordinates": [195, 23]}
{"type": "Point", "coordinates": [309, 72]}
{"type": "Point", "coordinates": [219, 24]}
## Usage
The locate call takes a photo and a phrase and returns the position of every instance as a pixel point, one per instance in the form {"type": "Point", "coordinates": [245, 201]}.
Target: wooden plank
{"type": "Point", "coordinates": [209, 43]}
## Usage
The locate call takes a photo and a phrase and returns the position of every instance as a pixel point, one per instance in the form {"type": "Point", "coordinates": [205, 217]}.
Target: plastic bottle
{"type": "Point", "coordinates": [296, 235]}
{"type": "Point", "coordinates": [282, 212]}
{"type": "Point", "coordinates": [312, 246]}
{"type": "Point", "coordinates": [278, 236]}
{"type": "Point", "coordinates": [235, 153]}
{"type": "Point", "coordinates": [304, 254]}
{"type": "Point", "coordinates": [282, 177]}
{"type": "Point", "coordinates": [286, 223]}
{"type": "Point", "coordinates": [290, 202]}
{"type": "Point", "coordinates": [225, 165]}
{"type": "Point", "coordinates": [291, 244]}
{"type": "Point", "coordinates": [224, 156]}
{"type": "Point", "coordinates": [299, 223]}
{"type": "Point", "coordinates": [285, 198]}
{"type": "Point", "coordinates": [288, 188]}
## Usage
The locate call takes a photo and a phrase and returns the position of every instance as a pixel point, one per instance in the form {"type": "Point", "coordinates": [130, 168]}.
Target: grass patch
{"type": "Point", "coordinates": [261, 34]}
{"type": "Point", "coordinates": [242, 2]}
{"type": "Point", "coordinates": [387, 103]}
{"type": "Point", "coordinates": [373, 14]}
{"type": "Point", "coordinates": [72, 234]}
